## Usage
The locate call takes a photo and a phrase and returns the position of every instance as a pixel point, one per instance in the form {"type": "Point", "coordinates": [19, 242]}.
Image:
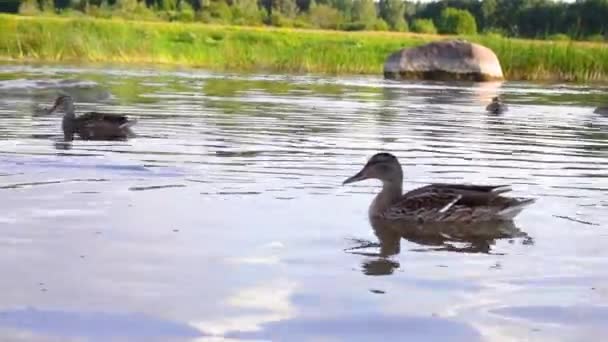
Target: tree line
{"type": "Point", "coordinates": [582, 19]}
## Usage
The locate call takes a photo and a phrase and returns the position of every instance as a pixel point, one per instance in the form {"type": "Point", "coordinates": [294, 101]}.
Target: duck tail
{"type": "Point", "coordinates": [515, 208]}
{"type": "Point", "coordinates": [128, 124]}
{"type": "Point", "coordinates": [501, 189]}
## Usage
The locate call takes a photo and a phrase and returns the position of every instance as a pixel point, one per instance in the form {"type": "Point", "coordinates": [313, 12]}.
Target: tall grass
{"type": "Point", "coordinates": [281, 50]}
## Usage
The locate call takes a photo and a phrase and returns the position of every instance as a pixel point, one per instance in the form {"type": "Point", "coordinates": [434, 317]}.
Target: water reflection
{"type": "Point", "coordinates": [460, 238]}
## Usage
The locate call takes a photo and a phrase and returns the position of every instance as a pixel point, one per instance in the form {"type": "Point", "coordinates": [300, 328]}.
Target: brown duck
{"type": "Point", "coordinates": [436, 202]}
{"type": "Point", "coordinates": [91, 125]}
{"type": "Point", "coordinates": [496, 106]}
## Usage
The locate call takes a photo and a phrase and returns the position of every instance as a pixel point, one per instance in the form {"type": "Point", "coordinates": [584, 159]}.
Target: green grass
{"type": "Point", "coordinates": [54, 39]}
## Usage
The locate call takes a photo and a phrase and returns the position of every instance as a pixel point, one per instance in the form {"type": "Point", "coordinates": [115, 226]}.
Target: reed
{"type": "Point", "coordinates": [237, 48]}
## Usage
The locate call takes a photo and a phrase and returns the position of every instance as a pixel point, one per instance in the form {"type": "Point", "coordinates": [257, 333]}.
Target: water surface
{"type": "Point", "coordinates": [225, 219]}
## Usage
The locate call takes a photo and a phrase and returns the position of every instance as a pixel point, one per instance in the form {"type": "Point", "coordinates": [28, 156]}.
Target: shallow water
{"type": "Point", "coordinates": [225, 219]}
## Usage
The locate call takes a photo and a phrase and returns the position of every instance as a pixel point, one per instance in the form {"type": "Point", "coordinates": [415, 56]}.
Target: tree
{"type": "Point", "coordinates": [456, 21]}
{"type": "Point", "coordinates": [393, 12]}
{"type": "Point", "coordinates": [247, 12]}
{"type": "Point", "coordinates": [325, 17]}
{"type": "Point", "coordinates": [364, 11]}
{"type": "Point", "coordinates": [345, 7]}
{"type": "Point", "coordinates": [288, 8]}
{"type": "Point", "coordinates": [488, 14]}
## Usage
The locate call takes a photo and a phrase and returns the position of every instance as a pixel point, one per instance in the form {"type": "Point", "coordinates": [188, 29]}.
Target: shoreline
{"type": "Point", "coordinates": [278, 50]}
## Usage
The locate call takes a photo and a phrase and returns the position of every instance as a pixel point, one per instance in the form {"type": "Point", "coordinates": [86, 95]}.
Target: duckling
{"type": "Point", "coordinates": [91, 125]}
{"type": "Point", "coordinates": [496, 106]}
{"type": "Point", "coordinates": [434, 203]}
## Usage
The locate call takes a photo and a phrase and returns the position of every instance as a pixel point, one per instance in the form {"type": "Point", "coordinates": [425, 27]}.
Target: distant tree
{"type": "Point", "coordinates": [364, 12]}
{"type": "Point", "coordinates": [325, 17]}
{"type": "Point", "coordinates": [393, 12]}
{"type": "Point", "coordinates": [488, 14]}
{"type": "Point", "coordinates": [423, 26]}
{"type": "Point", "coordinates": [345, 7]}
{"type": "Point", "coordinates": [29, 7]}
{"type": "Point", "coordinates": [456, 21]}
{"type": "Point", "coordinates": [247, 12]}
{"type": "Point", "coordinates": [380, 25]}
{"type": "Point", "coordinates": [287, 8]}
{"type": "Point", "coordinates": [219, 11]}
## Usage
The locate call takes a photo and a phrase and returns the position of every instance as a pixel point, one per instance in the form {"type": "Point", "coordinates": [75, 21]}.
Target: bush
{"type": "Point", "coordinates": [495, 32]}
{"type": "Point", "coordinates": [29, 7]}
{"type": "Point", "coordinates": [379, 25]}
{"type": "Point", "coordinates": [559, 37]}
{"type": "Point", "coordinates": [596, 38]}
{"type": "Point", "coordinates": [247, 12]}
{"type": "Point", "coordinates": [424, 26]}
{"type": "Point", "coordinates": [354, 26]}
{"type": "Point", "coordinates": [219, 11]}
{"type": "Point", "coordinates": [279, 20]}
{"type": "Point", "coordinates": [132, 9]}
{"type": "Point", "coordinates": [325, 17]}
{"type": "Point", "coordinates": [456, 21]}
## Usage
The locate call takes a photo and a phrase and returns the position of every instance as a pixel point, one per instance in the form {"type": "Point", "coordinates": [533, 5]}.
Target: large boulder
{"type": "Point", "coordinates": [444, 60]}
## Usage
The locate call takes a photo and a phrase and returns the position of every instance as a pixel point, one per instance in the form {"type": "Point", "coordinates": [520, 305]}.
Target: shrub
{"type": "Point", "coordinates": [325, 17]}
{"type": "Point", "coordinates": [354, 26]}
{"type": "Point", "coordinates": [559, 37]}
{"type": "Point", "coordinates": [379, 25]}
{"type": "Point", "coordinates": [456, 21]}
{"type": "Point", "coordinates": [595, 38]}
{"type": "Point", "coordinates": [29, 7]}
{"type": "Point", "coordinates": [424, 26]}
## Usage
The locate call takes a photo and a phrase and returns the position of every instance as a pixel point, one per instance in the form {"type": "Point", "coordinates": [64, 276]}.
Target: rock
{"type": "Point", "coordinates": [444, 60]}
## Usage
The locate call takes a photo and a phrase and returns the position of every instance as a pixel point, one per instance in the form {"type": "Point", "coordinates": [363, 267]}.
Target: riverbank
{"type": "Point", "coordinates": [235, 48]}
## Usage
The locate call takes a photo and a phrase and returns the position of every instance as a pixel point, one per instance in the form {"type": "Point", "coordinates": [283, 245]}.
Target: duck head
{"type": "Point", "coordinates": [382, 166]}
{"type": "Point", "coordinates": [64, 103]}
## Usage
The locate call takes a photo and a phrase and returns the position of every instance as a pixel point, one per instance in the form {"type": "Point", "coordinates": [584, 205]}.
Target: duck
{"type": "Point", "coordinates": [91, 125]}
{"type": "Point", "coordinates": [435, 203]}
{"type": "Point", "coordinates": [496, 106]}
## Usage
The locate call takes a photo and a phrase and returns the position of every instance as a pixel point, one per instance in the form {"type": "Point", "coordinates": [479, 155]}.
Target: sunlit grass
{"type": "Point", "coordinates": [272, 49]}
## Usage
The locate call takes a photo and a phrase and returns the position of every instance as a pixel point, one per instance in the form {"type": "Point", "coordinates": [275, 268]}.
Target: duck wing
{"type": "Point", "coordinates": [117, 119]}
{"type": "Point", "coordinates": [421, 204]}
{"type": "Point", "coordinates": [457, 203]}
{"type": "Point", "coordinates": [471, 194]}
{"type": "Point", "coordinates": [102, 126]}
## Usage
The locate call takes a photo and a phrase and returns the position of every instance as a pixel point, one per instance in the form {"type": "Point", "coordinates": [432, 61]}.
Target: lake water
{"type": "Point", "coordinates": [226, 220]}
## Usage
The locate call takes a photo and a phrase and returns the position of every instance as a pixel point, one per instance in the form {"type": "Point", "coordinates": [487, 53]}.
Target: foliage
{"type": "Point", "coordinates": [424, 26]}
{"type": "Point", "coordinates": [29, 7]}
{"type": "Point", "coordinates": [580, 19]}
{"type": "Point", "coordinates": [559, 37]}
{"type": "Point", "coordinates": [281, 50]}
{"type": "Point", "coordinates": [596, 38]}
{"type": "Point", "coordinates": [364, 13]}
{"type": "Point", "coordinates": [456, 21]}
{"type": "Point", "coordinates": [247, 12]}
{"type": "Point", "coordinates": [325, 17]}
{"type": "Point", "coordinates": [393, 11]}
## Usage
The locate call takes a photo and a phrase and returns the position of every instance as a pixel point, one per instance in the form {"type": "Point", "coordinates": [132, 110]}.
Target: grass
{"type": "Point", "coordinates": [235, 48]}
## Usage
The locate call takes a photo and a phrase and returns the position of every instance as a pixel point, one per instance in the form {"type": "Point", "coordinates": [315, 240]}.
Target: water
{"type": "Point", "coordinates": [226, 219]}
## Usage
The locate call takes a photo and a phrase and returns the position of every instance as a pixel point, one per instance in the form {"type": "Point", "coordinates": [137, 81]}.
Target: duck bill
{"type": "Point", "coordinates": [356, 178]}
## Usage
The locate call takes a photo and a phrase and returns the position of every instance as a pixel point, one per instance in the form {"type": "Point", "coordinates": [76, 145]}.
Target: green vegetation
{"type": "Point", "coordinates": [456, 21]}
{"type": "Point", "coordinates": [272, 49]}
{"type": "Point", "coordinates": [538, 19]}
{"type": "Point", "coordinates": [424, 26]}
